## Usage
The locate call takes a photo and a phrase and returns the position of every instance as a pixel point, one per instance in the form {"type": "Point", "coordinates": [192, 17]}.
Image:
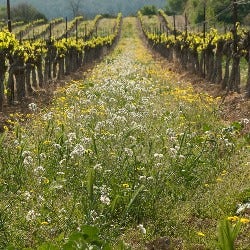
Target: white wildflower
{"type": "Point", "coordinates": [27, 195]}
{"type": "Point", "coordinates": [105, 199]}
{"type": "Point", "coordinates": [31, 215]}
{"type": "Point", "coordinates": [48, 116]}
{"type": "Point", "coordinates": [142, 229]}
{"type": "Point", "coordinates": [39, 170]}
{"type": "Point", "coordinates": [77, 151]}
{"type": "Point", "coordinates": [33, 107]}
{"type": "Point", "coordinates": [156, 155]}
{"type": "Point", "coordinates": [128, 152]}
{"type": "Point", "coordinates": [28, 160]}
{"type": "Point", "coordinates": [71, 137]}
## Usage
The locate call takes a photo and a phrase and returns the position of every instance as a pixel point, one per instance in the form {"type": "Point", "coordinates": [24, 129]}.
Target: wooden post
{"type": "Point", "coordinates": [174, 27]}
{"type": "Point", "coordinates": [186, 25]}
{"type": "Point", "coordinates": [50, 31]}
{"type": "Point", "coordinates": [76, 30]}
{"type": "Point", "coordinates": [204, 38]}
{"type": "Point", "coordinates": [66, 28]}
{"type": "Point", "coordinates": [8, 15]}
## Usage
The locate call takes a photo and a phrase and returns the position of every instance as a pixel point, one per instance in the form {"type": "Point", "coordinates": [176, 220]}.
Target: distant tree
{"type": "Point", "coordinates": [75, 6]}
{"type": "Point", "coordinates": [2, 13]}
{"type": "Point", "coordinates": [175, 6]}
{"type": "Point", "coordinates": [149, 10]}
{"type": "Point", "coordinates": [26, 12]}
{"type": "Point", "coordinates": [221, 9]}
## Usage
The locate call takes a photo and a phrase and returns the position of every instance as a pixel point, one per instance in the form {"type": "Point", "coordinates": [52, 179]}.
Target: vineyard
{"type": "Point", "coordinates": [129, 155]}
{"type": "Point", "coordinates": [32, 64]}
{"type": "Point", "coordinates": [216, 57]}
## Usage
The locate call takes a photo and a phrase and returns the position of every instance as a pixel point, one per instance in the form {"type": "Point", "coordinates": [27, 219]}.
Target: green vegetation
{"type": "Point", "coordinates": [149, 10]}
{"type": "Point", "coordinates": [26, 13]}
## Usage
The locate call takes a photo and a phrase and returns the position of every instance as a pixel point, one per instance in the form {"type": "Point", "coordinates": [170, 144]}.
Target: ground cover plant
{"type": "Point", "coordinates": [122, 159]}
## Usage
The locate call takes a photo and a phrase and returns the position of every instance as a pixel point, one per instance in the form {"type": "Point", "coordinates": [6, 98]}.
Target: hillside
{"type": "Point", "coordinates": [89, 7]}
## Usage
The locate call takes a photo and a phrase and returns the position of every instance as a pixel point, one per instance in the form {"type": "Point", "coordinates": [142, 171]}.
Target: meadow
{"type": "Point", "coordinates": [121, 158]}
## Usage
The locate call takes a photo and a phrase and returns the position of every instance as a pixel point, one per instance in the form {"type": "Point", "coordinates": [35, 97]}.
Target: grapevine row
{"type": "Point", "coordinates": [215, 57]}
{"type": "Point", "coordinates": [32, 65]}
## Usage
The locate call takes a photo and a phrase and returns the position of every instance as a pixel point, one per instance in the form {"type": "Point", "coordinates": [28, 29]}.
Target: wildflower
{"type": "Point", "coordinates": [57, 146]}
{"type": "Point", "coordinates": [97, 167]}
{"type": "Point", "coordinates": [142, 229]}
{"type": "Point", "coordinates": [125, 185]}
{"type": "Point", "coordinates": [71, 137]}
{"type": "Point", "coordinates": [244, 220]}
{"type": "Point", "coordinates": [27, 195]}
{"type": "Point", "coordinates": [233, 218]}
{"type": "Point", "coordinates": [26, 153]}
{"type": "Point", "coordinates": [28, 160]}
{"type": "Point", "coordinates": [48, 116]}
{"type": "Point", "coordinates": [44, 223]}
{"type": "Point", "coordinates": [200, 234]}
{"type": "Point", "coordinates": [128, 151]}
{"type": "Point", "coordinates": [6, 129]}
{"type": "Point", "coordinates": [45, 180]}
{"type": "Point", "coordinates": [105, 199]}
{"type": "Point", "coordinates": [31, 215]}
{"type": "Point", "coordinates": [142, 177]}
{"type": "Point", "coordinates": [245, 121]}
{"type": "Point", "coordinates": [43, 156]}
{"type": "Point", "coordinates": [77, 151]}
{"type": "Point", "coordinates": [33, 107]}
{"type": "Point", "coordinates": [243, 207]}
{"type": "Point", "coordinates": [156, 155]}
{"type": "Point", "coordinates": [39, 170]}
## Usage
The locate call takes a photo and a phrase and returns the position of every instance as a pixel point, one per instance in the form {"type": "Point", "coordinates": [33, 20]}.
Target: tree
{"type": "Point", "coordinates": [149, 10]}
{"type": "Point", "coordinates": [175, 6]}
{"type": "Point", "coordinates": [75, 7]}
{"type": "Point", "coordinates": [26, 13]}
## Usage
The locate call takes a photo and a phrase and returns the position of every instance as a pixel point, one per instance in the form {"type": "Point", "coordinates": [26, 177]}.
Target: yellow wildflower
{"type": "Point", "coordinates": [244, 220]}
{"type": "Point", "coordinates": [200, 234]}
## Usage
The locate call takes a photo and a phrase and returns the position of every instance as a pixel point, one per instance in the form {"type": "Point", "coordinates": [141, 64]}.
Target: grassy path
{"type": "Point", "coordinates": [128, 151]}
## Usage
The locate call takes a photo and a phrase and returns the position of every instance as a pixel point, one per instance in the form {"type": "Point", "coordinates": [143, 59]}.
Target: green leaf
{"type": "Point", "coordinates": [47, 246]}
{"type": "Point", "coordinates": [134, 197]}
{"type": "Point", "coordinates": [90, 233]}
{"type": "Point", "coordinates": [90, 183]}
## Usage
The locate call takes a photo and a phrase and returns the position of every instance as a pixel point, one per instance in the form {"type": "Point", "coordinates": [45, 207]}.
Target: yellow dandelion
{"type": "Point", "coordinates": [125, 185]}
{"type": "Point", "coordinates": [219, 180]}
{"type": "Point", "coordinates": [46, 180]}
{"type": "Point", "coordinates": [6, 129]}
{"type": "Point", "coordinates": [244, 220]}
{"type": "Point", "coordinates": [200, 234]}
{"type": "Point", "coordinates": [233, 218]}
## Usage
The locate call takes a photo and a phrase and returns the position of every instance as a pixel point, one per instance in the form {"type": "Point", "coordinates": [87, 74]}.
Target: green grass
{"type": "Point", "coordinates": [125, 156]}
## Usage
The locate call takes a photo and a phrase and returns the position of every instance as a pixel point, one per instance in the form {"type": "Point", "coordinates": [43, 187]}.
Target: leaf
{"type": "Point", "coordinates": [90, 183]}
{"type": "Point", "coordinates": [90, 233]}
{"type": "Point", "coordinates": [48, 246]}
{"type": "Point", "coordinates": [114, 203]}
{"type": "Point", "coordinates": [134, 197]}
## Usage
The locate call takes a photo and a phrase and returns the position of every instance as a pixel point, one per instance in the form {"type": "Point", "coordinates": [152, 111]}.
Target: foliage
{"type": "Point", "coordinates": [175, 7]}
{"type": "Point", "coordinates": [26, 13]}
{"type": "Point", "coordinates": [228, 230]}
{"type": "Point", "coordinates": [223, 9]}
{"type": "Point", "coordinates": [149, 10]}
